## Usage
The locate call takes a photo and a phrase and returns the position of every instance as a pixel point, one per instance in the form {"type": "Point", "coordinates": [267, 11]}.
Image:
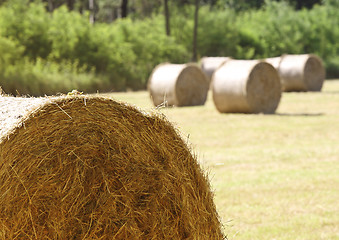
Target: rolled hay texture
{"type": "Point", "coordinates": [178, 85]}
{"type": "Point", "coordinates": [303, 72]}
{"type": "Point", "coordinates": [210, 64]}
{"type": "Point", "coordinates": [82, 167]}
{"type": "Point", "coordinates": [246, 86]}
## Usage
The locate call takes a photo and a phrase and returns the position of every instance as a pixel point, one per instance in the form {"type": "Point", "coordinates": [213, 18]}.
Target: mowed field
{"type": "Point", "coordinates": [274, 176]}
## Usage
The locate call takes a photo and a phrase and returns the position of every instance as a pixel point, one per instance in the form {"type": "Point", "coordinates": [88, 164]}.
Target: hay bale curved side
{"type": "Point", "coordinates": [246, 86]}
{"type": "Point", "coordinates": [274, 61]}
{"type": "Point", "coordinates": [303, 72]}
{"type": "Point", "coordinates": [93, 168]}
{"type": "Point", "coordinates": [178, 85]}
{"type": "Point", "coordinates": [210, 64]}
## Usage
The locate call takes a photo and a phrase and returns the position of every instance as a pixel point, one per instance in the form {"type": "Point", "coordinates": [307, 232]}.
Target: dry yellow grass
{"type": "Point", "coordinates": [274, 176]}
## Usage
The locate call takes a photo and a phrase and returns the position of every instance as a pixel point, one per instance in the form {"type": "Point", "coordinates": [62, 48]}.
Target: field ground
{"type": "Point", "coordinates": [275, 176]}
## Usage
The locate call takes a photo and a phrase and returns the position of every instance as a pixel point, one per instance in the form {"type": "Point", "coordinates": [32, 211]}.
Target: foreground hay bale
{"type": "Point", "coordinates": [91, 168]}
{"type": "Point", "coordinates": [300, 72]}
{"type": "Point", "coordinates": [246, 86]}
{"type": "Point", "coordinates": [210, 64]}
{"type": "Point", "coordinates": [178, 85]}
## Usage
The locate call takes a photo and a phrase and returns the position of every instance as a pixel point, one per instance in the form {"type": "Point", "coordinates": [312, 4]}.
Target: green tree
{"type": "Point", "coordinates": [27, 24]}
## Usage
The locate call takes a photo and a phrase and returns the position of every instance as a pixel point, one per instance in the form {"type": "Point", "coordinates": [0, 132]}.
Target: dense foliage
{"type": "Point", "coordinates": [44, 52]}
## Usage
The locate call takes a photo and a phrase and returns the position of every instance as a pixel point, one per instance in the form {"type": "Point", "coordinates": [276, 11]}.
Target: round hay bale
{"type": "Point", "coordinates": [246, 86]}
{"type": "Point", "coordinates": [303, 72]}
{"type": "Point", "coordinates": [79, 167]}
{"type": "Point", "coordinates": [274, 61]}
{"type": "Point", "coordinates": [210, 64]}
{"type": "Point", "coordinates": [178, 85]}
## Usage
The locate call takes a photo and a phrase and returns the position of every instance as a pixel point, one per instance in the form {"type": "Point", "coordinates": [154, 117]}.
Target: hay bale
{"type": "Point", "coordinates": [301, 72]}
{"type": "Point", "coordinates": [274, 61]}
{"type": "Point", "coordinates": [178, 85]}
{"type": "Point", "coordinates": [79, 167]}
{"type": "Point", "coordinates": [210, 64]}
{"type": "Point", "coordinates": [246, 86]}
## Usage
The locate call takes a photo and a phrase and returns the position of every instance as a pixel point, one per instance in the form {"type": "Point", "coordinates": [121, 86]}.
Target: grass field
{"type": "Point", "coordinates": [274, 176]}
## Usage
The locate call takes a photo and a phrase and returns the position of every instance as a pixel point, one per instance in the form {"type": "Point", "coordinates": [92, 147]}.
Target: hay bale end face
{"type": "Point", "coordinates": [82, 167]}
{"type": "Point", "coordinates": [246, 86]}
{"type": "Point", "coordinates": [303, 72]}
{"type": "Point", "coordinates": [210, 64]}
{"type": "Point", "coordinates": [178, 85]}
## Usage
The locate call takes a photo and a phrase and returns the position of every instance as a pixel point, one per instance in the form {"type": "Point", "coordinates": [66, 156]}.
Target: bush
{"type": "Point", "coordinates": [332, 67]}
{"type": "Point", "coordinates": [151, 46]}
{"type": "Point", "coordinates": [10, 52]}
{"type": "Point", "coordinates": [123, 53]}
{"type": "Point", "coordinates": [68, 33]}
{"type": "Point", "coordinates": [110, 55]}
{"type": "Point", "coordinates": [277, 29]}
{"type": "Point", "coordinates": [41, 77]}
{"type": "Point", "coordinates": [27, 26]}
{"type": "Point", "coordinates": [274, 29]}
{"type": "Point", "coordinates": [216, 34]}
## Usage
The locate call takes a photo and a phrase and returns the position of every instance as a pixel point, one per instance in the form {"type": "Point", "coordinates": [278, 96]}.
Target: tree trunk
{"type": "Point", "coordinates": [124, 8]}
{"type": "Point", "coordinates": [50, 6]}
{"type": "Point", "coordinates": [167, 18]}
{"type": "Point", "coordinates": [195, 31]}
{"type": "Point", "coordinates": [91, 9]}
{"type": "Point", "coordinates": [70, 4]}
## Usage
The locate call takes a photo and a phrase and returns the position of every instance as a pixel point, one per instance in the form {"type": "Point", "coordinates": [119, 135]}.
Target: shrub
{"type": "Point", "coordinates": [10, 52]}
{"type": "Point", "coordinates": [216, 34]}
{"type": "Point", "coordinates": [68, 32]}
{"type": "Point", "coordinates": [151, 46]}
{"type": "Point", "coordinates": [42, 77]}
{"type": "Point", "coordinates": [27, 26]}
{"type": "Point", "coordinates": [332, 67]}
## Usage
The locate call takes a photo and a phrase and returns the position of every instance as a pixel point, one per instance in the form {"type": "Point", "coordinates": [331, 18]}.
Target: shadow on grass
{"type": "Point", "coordinates": [300, 114]}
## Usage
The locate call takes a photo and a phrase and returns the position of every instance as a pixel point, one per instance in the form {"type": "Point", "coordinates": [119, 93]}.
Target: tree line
{"type": "Point", "coordinates": [110, 10]}
{"type": "Point", "coordinates": [57, 49]}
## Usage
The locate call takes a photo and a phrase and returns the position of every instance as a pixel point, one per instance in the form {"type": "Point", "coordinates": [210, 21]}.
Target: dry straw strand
{"type": "Point", "coordinates": [108, 172]}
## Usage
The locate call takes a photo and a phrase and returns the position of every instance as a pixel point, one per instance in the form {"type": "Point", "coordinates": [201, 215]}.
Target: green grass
{"type": "Point", "coordinates": [274, 176]}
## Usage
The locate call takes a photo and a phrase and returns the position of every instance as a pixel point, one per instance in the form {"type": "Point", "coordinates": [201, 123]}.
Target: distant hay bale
{"type": "Point", "coordinates": [210, 64]}
{"type": "Point", "coordinates": [80, 167]}
{"type": "Point", "coordinates": [301, 72]}
{"type": "Point", "coordinates": [178, 85]}
{"type": "Point", "coordinates": [274, 61]}
{"type": "Point", "coordinates": [246, 86]}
